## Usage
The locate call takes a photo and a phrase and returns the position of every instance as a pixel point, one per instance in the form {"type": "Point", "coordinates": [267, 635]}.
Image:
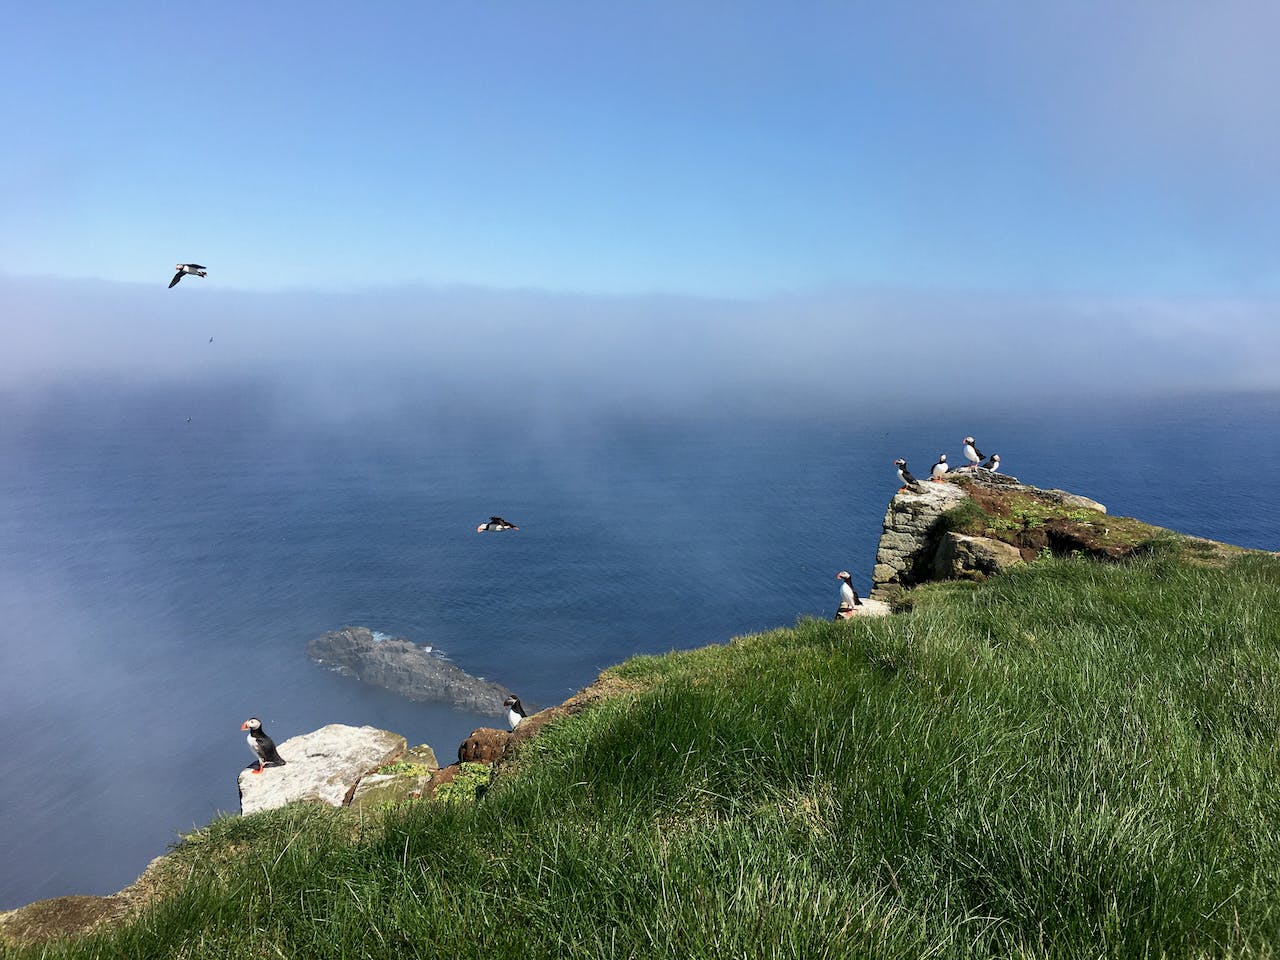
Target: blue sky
{"type": "Point", "coordinates": [717, 149]}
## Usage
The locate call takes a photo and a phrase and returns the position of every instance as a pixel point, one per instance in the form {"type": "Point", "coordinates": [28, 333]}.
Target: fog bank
{"type": "Point", "coordinates": [355, 350]}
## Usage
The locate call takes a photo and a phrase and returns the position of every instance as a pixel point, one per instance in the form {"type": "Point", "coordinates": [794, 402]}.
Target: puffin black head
{"type": "Point", "coordinates": [844, 575]}
{"type": "Point", "coordinates": [253, 725]}
{"type": "Point", "coordinates": [899, 462]}
{"type": "Point", "coordinates": [967, 440]}
{"type": "Point", "coordinates": [513, 703]}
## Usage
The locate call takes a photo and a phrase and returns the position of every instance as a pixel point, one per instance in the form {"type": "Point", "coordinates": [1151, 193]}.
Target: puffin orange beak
{"type": "Point", "coordinates": [244, 726]}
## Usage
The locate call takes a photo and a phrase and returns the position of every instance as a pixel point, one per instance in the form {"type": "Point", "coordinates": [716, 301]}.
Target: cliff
{"type": "Point", "coordinates": [1020, 751]}
{"type": "Point", "coordinates": [975, 523]}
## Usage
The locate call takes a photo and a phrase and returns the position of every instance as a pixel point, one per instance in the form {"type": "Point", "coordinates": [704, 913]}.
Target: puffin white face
{"type": "Point", "coordinates": [511, 701]}
{"type": "Point", "coordinates": [968, 440]}
{"type": "Point", "coordinates": [899, 463]}
{"type": "Point", "coordinates": [253, 723]}
{"type": "Point", "coordinates": [942, 458]}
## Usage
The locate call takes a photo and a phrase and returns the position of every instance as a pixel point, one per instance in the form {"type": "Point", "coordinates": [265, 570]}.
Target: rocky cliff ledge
{"type": "Point", "coordinates": [403, 667]}
{"type": "Point", "coordinates": [976, 523]}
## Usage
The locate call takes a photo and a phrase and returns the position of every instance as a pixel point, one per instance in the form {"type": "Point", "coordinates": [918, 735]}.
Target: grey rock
{"type": "Point", "coordinates": [909, 539]}
{"type": "Point", "coordinates": [323, 766]}
{"type": "Point", "coordinates": [403, 667]}
{"type": "Point", "coordinates": [973, 557]}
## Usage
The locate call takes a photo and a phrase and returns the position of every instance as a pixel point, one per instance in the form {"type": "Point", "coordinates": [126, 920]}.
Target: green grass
{"type": "Point", "coordinates": [1076, 759]}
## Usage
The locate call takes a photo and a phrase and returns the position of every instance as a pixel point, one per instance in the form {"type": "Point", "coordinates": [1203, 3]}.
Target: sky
{"type": "Point", "coordinates": [651, 161]}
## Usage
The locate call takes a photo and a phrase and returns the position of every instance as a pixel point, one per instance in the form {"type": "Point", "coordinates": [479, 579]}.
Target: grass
{"type": "Point", "coordinates": [1072, 760]}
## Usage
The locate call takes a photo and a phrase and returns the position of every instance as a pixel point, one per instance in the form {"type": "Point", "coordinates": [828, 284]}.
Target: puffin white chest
{"type": "Point", "coordinates": [513, 718]}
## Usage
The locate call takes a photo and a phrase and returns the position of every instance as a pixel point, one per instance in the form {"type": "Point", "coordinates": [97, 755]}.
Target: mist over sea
{"type": "Point", "coordinates": [159, 578]}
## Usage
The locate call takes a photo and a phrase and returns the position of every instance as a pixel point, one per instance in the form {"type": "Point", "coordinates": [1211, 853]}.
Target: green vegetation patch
{"type": "Point", "coordinates": [1072, 760]}
{"type": "Point", "coordinates": [1034, 523]}
{"type": "Point", "coordinates": [406, 768]}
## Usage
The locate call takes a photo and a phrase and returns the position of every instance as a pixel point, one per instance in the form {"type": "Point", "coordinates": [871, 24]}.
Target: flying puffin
{"type": "Point", "coordinates": [263, 747]}
{"type": "Point", "coordinates": [972, 453]}
{"type": "Point", "coordinates": [993, 464]}
{"type": "Point", "coordinates": [904, 474]}
{"type": "Point", "coordinates": [940, 468]}
{"type": "Point", "coordinates": [515, 710]}
{"type": "Point", "coordinates": [496, 523]}
{"type": "Point", "coordinates": [183, 268]}
{"type": "Point", "coordinates": [847, 593]}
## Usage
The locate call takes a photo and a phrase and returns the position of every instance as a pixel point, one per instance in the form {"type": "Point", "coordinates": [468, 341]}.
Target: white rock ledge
{"type": "Point", "coordinates": [323, 766]}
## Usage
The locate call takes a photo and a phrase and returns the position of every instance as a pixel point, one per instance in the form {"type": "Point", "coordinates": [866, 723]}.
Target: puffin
{"type": "Point", "coordinates": [496, 523]}
{"type": "Point", "coordinates": [263, 747]}
{"type": "Point", "coordinates": [847, 593]}
{"type": "Point", "coordinates": [993, 464]}
{"type": "Point", "coordinates": [904, 475]}
{"type": "Point", "coordinates": [515, 710]}
{"type": "Point", "coordinates": [185, 268]}
{"type": "Point", "coordinates": [940, 468]}
{"type": "Point", "coordinates": [972, 453]}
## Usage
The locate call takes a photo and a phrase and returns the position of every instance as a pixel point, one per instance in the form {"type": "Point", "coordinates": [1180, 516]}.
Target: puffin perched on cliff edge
{"type": "Point", "coordinates": [972, 453]}
{"type": "Point", "coordinates": [496, 523]}
{"type": "Point", "coordinates": [904, 475]}
{"type": "Point", "coordinates": [847, 593]}
{"type": "Point", "coordinates": [940, 468]}
{"type": "Point", "coordinates": [263, 747]}
{"type": "Point", "coordinates": [515, 710]}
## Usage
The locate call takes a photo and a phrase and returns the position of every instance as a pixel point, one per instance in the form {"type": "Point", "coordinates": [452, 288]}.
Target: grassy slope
{"type": "Point", "coordinates": [1077, 760]}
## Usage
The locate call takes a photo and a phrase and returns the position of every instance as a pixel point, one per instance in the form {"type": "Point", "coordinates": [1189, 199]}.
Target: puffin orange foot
{"type": "Point", "coordinates": [259, 770]}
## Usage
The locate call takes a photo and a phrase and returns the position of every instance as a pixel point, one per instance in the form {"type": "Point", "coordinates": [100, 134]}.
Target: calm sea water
{"type": "Point", "coordinates": [159, 579]}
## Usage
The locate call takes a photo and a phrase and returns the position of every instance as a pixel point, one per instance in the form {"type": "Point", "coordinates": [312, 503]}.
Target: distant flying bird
{"type": "Point", "coordinates": [904, 475]}
{"type": "Point", "coordinates": [496, 523]}
{"type": "Point", "coordinates": [940, 468]}
{"type": "Point", "coordinates": [993, 464]}
{"type": "Point", "coordinates": [211, 338]}
{"type": "Point", "coordinates": [515, 710]}
{"type": "Point", "coordinates": [184, 268]}
{"type": "Point", "coordinates": [972, 453]}
{"type": "Point", "coordinates": [847, 593]}
{"type": "Point", "coordinates": [263, 747]}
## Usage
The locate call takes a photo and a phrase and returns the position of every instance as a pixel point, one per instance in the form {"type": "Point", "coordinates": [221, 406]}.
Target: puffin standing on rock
{"type": "Point", "coordinates": [263, 747]}
{"type": "Point", "coordinates": [496, 523]}
{"type": "Point", "coordinates": [515, 710]}
{"type": "Point", "coordinates": [847, 593]}
{"type": "Point", "coordinates": [904, 475]}
{"type": "Point", "coordinates": [972, 453]}
{"type": "Point", "coordinates": [940, 468]}
{"type": "Point", "coordinates": [993, 464]}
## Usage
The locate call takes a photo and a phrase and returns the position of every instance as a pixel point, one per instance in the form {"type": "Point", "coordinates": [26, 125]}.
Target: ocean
{"type": "Point", "coordinates": [160, 578]}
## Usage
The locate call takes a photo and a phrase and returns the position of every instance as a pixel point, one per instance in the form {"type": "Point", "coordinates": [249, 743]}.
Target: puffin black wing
{"type": "Point", "coordinates": [265, 748]}
{"type": "Point", "coordinates": [197, 266]}
{"type": "Point", "coordinates": [176, 277]}
{"type": "Point", "coordinates": [906, 476]}
{"type": "Point", "coordinates": [980, 454]}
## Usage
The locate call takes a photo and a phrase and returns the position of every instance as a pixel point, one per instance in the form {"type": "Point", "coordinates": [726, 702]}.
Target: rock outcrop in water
{"type": "Point", "coordinates": [403, 667]}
